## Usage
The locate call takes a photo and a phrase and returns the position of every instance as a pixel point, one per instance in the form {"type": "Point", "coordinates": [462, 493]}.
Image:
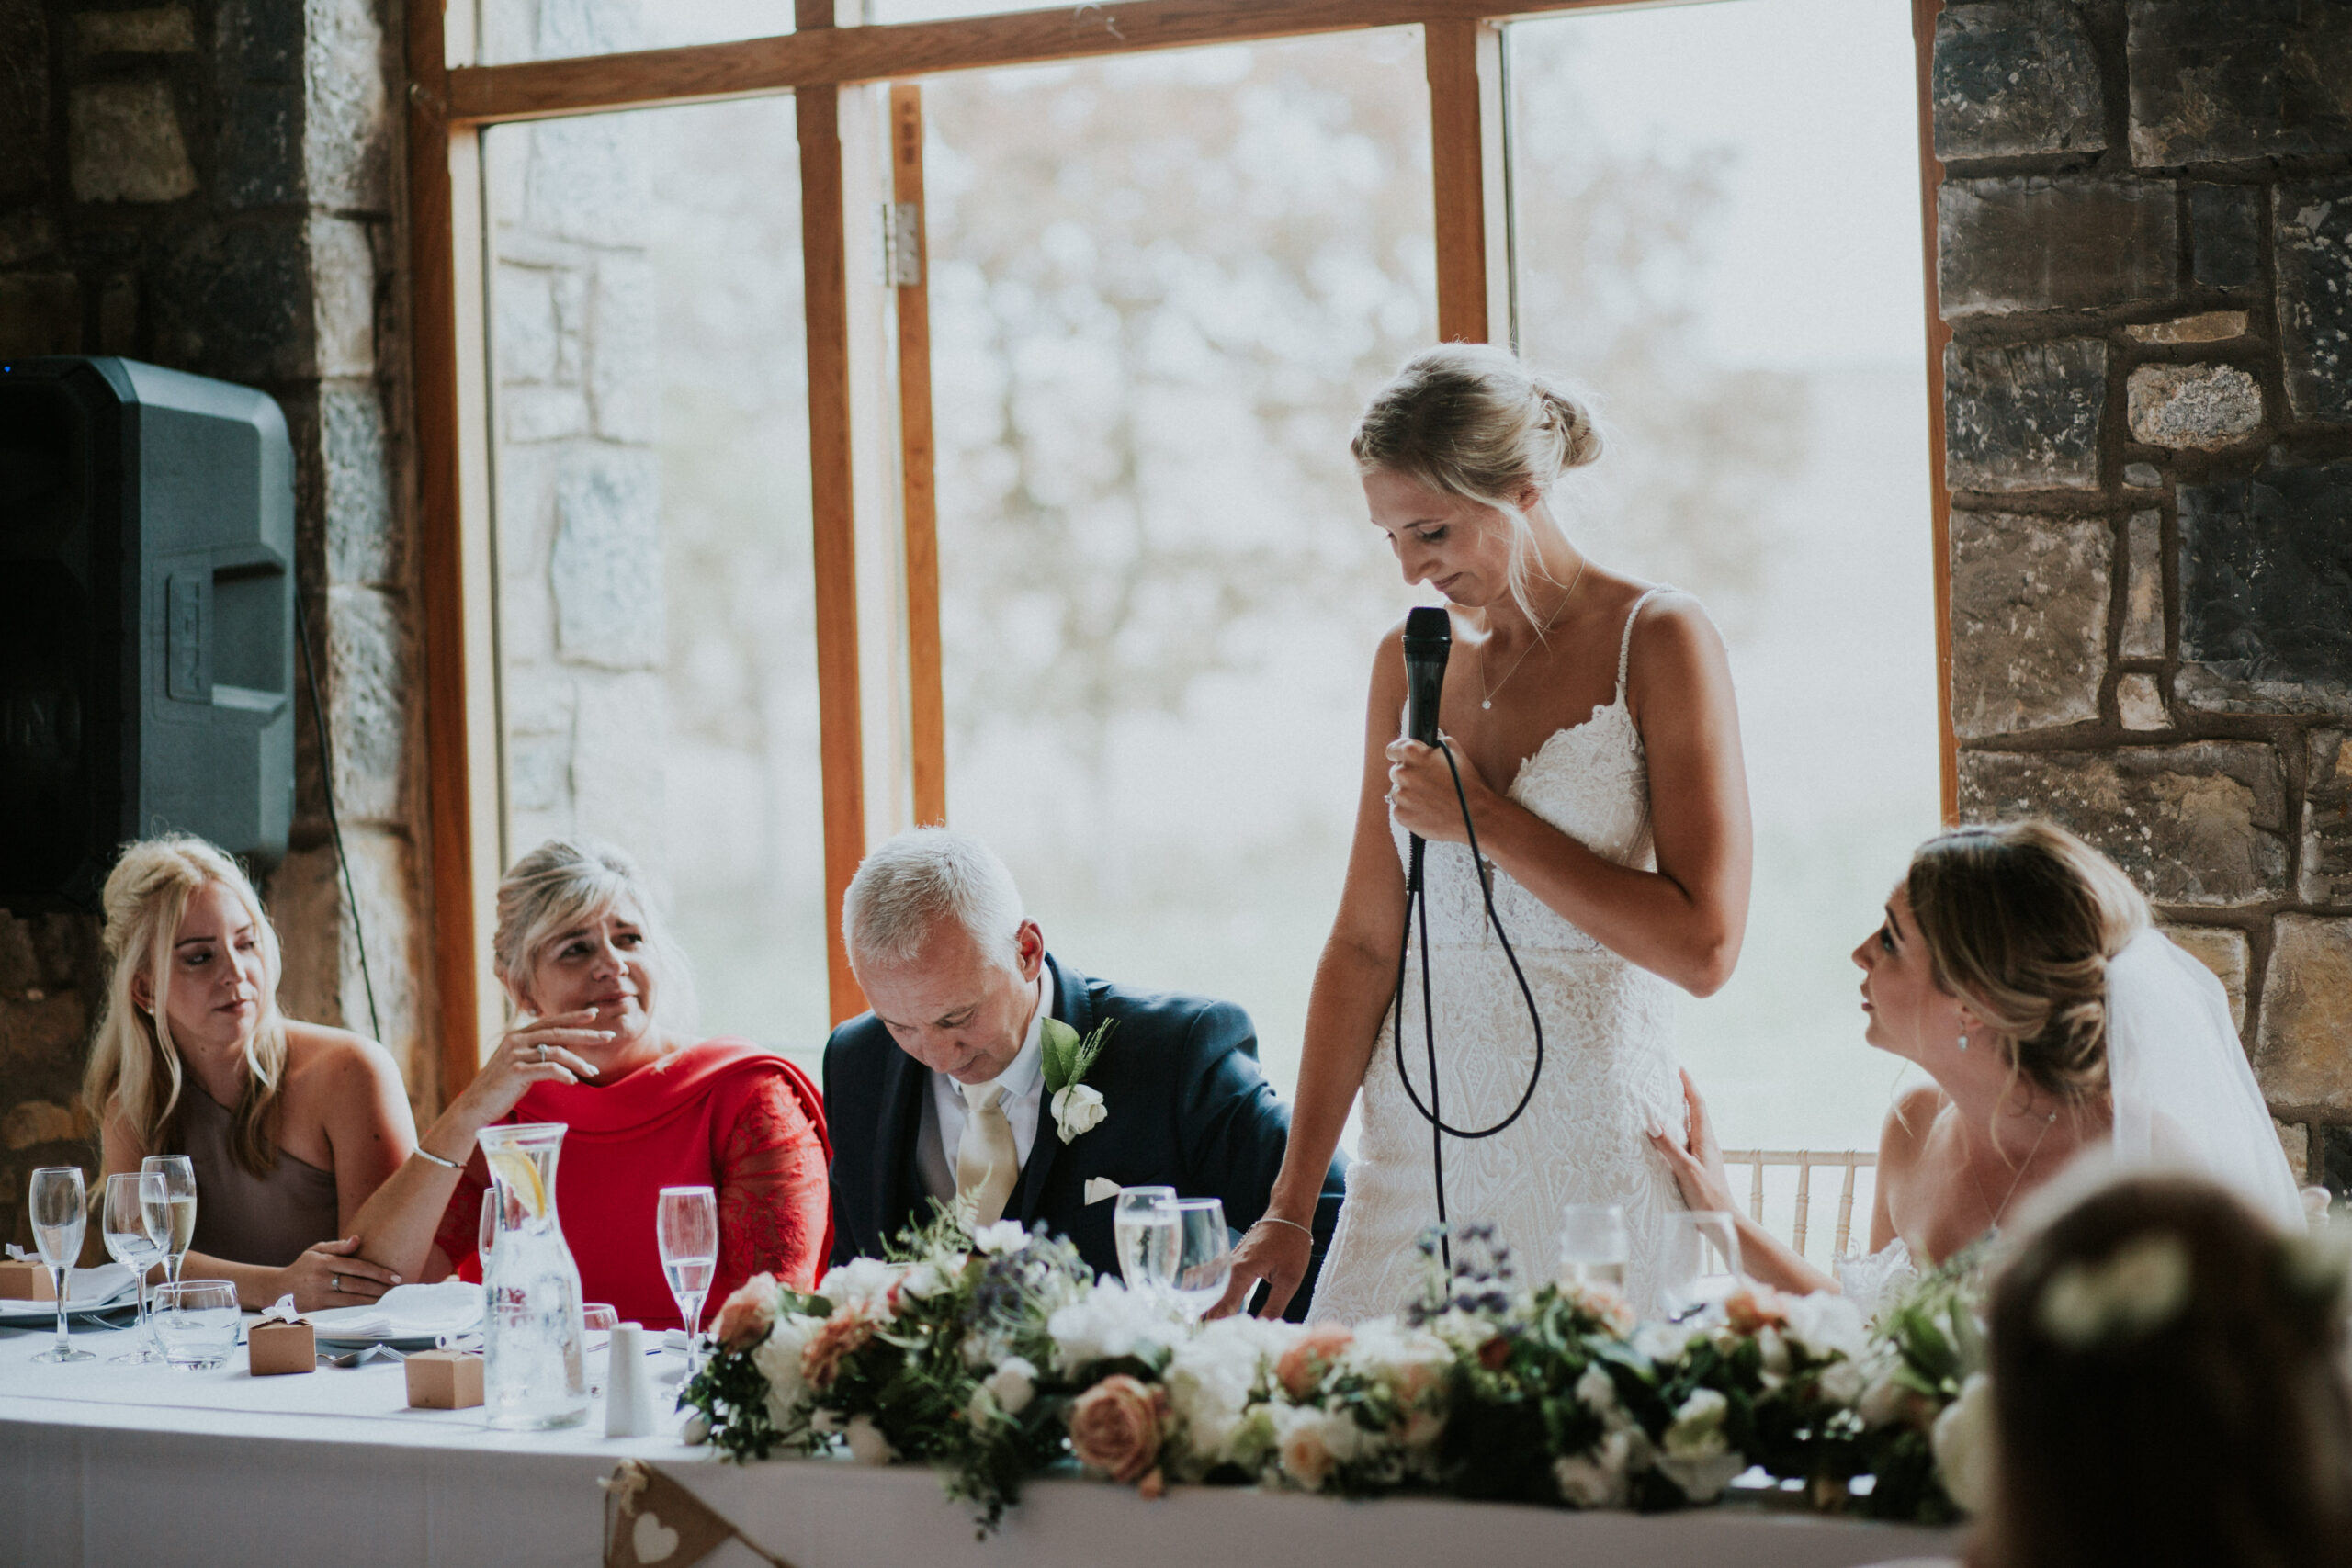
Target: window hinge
{"type": "Point", "coordinates": [902, 224]}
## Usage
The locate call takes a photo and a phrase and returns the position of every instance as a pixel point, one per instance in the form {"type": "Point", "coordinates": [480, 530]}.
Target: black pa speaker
{"type": "Point", "coordinates": [146, 620]}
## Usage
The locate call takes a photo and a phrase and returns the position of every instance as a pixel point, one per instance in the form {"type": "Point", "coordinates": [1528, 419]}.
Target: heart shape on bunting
{"type": "Point", "coordinates": [651, 1521]}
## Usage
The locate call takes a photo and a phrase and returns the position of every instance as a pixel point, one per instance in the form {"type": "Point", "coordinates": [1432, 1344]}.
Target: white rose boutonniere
{"type": "Point", "coordinates": [1077, 1106]}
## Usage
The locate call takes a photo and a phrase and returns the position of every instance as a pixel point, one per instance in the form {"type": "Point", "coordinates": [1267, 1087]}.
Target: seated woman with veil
{"type": "Point", "coordinates": [2016, 967]}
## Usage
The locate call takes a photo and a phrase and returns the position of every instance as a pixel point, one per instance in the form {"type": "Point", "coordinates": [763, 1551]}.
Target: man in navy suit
{"type": "Point", "coordinates": [941, 1088]}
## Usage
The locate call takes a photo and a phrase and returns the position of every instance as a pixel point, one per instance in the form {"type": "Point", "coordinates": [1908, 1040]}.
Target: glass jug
{"type": "Point", "coordinates": [536, 1374]}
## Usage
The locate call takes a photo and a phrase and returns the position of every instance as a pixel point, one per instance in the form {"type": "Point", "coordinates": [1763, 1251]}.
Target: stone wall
{"type": "Point", "coordinates": [2147, 263]}
{"type": "Point", "coordinates": [212, 185]}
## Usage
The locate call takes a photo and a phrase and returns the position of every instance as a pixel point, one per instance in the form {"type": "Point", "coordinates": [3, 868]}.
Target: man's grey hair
{"type": "Point", "coordinates": [920, 877]}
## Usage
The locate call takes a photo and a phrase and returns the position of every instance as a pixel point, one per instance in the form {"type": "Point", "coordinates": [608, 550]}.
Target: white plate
{"type": "Point", "coordinates": [87, 1291]}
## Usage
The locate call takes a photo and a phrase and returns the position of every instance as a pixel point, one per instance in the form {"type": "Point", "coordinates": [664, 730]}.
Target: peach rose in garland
{"type": "Point", "coordinates": [1303, 1365]}
{"type": "Point", "coordinates": [749, 1313]}
{"type": "Point", "coordinates": [1114, 1427]}
{"type": "Point", "coordinates": [838, 1338]}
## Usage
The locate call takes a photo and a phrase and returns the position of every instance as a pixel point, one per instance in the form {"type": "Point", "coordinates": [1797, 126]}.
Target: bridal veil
{"type": "Point", "coordinates": [2184, 1094]}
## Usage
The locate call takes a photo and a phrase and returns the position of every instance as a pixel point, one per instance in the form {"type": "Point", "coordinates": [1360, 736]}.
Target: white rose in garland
{"type": "Point", "coordinates": [1078, 1107]}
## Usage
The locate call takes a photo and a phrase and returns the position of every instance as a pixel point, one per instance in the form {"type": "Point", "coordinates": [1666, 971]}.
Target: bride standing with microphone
{"type": "Point", "coordinates": [1592, 719]}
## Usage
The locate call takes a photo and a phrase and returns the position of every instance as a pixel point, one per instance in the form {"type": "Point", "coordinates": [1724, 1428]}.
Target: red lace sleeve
{"type": "Point", "coordinates": [773, 1192]}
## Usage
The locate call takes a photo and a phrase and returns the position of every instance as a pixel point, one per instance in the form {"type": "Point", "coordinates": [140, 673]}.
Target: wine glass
{"type": "Point", "coordinates": [136, 1222]}
{"type": "Point", "coordinates": [61, 1211]}
{"type": "Point", "coordinates": [1143, 1226]}
{"type": "Point", "coordinates": [179, 1179]}
{"type": "Point", "coordinates": [686, 1225]}
{"type": "Point", "coordinates": [1203, 1253]}
{"type": "Point", "coordinates": [1594, 1247]}
{"type": "Point", "coordinates": [1701, 1262]}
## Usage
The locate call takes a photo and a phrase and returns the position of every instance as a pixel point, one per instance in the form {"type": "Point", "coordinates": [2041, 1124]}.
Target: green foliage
{"type": "Point", "coordinates": [1067, 1058]}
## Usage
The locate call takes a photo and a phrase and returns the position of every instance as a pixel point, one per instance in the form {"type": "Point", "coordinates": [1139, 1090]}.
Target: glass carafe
{"type": "Point", "coordinates": [536, 1374]}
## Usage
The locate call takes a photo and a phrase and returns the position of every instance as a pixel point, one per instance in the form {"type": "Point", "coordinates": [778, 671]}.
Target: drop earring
{"type": "Point", "coordinates": [1964, 1040]}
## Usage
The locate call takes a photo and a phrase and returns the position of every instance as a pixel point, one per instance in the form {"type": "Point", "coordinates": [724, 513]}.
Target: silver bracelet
{"type": "Point", "coordinates": [1278, 1220]}
{"type": "Point", "coordinates": [436, 1159]}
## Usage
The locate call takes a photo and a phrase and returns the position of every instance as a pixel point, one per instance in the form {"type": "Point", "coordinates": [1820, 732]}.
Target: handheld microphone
{"type": "Point", "coordinates": [1429, 637]}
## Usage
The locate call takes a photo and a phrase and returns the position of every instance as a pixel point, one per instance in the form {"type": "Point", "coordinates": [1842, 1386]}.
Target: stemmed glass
{"type": "Point", "coordinates": [1701, 1262]}
{"type": "Point", "coordinates": [686, 1225]}
{"type": "Point", "coordinates": [1203, 1253]}
{"type": "Point", "coordinates": [137, 1221]}
{"type": "Point", "coordinates": [1143, 1226]}
{"type": "Point", "coordinates": [1594, 1246]}
{"type": "Point", "coordinates": [61, 1212]}
{"type": "Point", "coordinates": [179, 1182]}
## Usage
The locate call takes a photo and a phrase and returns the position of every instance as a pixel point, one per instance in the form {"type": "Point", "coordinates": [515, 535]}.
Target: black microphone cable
{"type": "Point", "coordinates": [1417, 900]}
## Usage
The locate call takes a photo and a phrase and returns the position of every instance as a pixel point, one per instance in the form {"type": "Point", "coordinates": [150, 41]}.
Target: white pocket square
{"type": "Point", "coordinates": [1099, 1188]}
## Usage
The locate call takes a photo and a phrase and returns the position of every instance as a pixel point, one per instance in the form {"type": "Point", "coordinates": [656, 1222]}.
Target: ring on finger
{"type": "Point", "coordinates": [335, 1284]}
{"type": "Point", "coordinates": [543, 1050]}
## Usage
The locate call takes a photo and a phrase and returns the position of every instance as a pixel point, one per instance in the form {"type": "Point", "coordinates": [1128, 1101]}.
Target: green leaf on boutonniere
{"type": "Point", "coordinates": [1070, 1058]}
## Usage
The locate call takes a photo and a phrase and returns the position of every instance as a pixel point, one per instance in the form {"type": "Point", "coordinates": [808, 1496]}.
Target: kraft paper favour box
{"type": "Point", "coordinates": [23, 1280]}
{"type": "Point", "coordinates": [444, 1380]}
{"type": "Point", "coordinates": [273, 1349]}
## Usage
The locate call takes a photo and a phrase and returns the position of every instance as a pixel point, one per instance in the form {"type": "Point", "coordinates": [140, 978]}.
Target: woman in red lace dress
{"type": "Point", "coordinates": [590, 975]}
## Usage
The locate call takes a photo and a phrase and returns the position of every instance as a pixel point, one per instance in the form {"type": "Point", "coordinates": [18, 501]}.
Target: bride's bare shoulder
{"type": "Point", "coordinates": [1903, 1134]}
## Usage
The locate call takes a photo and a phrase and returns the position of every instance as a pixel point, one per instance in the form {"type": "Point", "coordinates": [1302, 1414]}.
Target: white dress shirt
{"type": "Point", "coordinates": [1023, 1082]}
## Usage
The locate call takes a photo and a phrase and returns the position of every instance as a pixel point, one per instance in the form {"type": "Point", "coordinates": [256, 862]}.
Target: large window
{"type": "Point", "coordinates": [682, 487]}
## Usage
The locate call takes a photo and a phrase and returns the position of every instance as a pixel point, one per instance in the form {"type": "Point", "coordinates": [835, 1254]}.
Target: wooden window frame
{"type": "Point", "coordinates": [452, 100]}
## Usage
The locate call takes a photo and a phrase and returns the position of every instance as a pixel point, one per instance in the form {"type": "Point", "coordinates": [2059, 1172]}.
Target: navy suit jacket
{"type": "Point", "coordinates": [1187, 1107]}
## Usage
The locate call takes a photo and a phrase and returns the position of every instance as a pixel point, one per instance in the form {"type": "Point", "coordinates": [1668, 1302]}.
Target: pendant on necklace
{"type": "Point", "coordinates": [1488, 704]}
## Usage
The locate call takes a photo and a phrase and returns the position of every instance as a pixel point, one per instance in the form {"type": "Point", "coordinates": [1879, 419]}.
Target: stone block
{"type": "Point", "coordinates": [523, 324]}
{"type": "Point", "coordinates": [41, 313]}
{"type": "Point", "coordinates": [2295, 1142]}
{"type": "Point", "coordinates": [2210, 326]}
{"type": "Point", "coordinates": [605, 567]}
{"type": "Point", "coordinates": [118, 315]}
{"type": "Point", "coordinates": [618, 789]}
{"type": "Point", "coordinates": [2195, 407]}
{"type": "Point", "coordinates": [2302, 1045]}
{"type": "Point", "coordinates": [2028, 612]}
{"type": "Point", "coordinates": [530, 414]}
{"type": "Point", "coordinates": [2024, 416]}
{"type": "Point", "coordinates": [342, 276]}
{"type": "Point", "coordinates": [2139, 703]}
{"type": "Point", "coordinates": [2074, 242]}
{"type": "Point", "coordinates": [348, 108]}
{"type": "Point", "coordinates": [2216, 81]}
{"type": "Point", "coordinates": [2200, 825]}
{"type": "Point", "coordinates": [27, 236]}
{"type": "Point", "coordinates": [2327, 819]}
{"type": "Point", "coordinates": [24, 103]}
{"type": "Point", "coordinates": [2143, 587]}
{"type": "Point", "coordinates": [261, 147]}
{"type": "Point", "coordinates": [2224, 950]}
{"type": "Point", "coordinates": [123, 143]}
{"type": "Point", "coordinates": [2266, 592]}
{"type": "Point", "coordinates": [2226, 235]}
{"type": "Point", "coordinates": [355, 462]}
{"type": "Point", "coordinates": [322, 980]}
{"type": "Point", "coordinates": [368, 679]}
{"type": "Point", "coordinates": [165, 29]}
{"type": "Point", "coordinates": [235, 302]}
{"type": "Point", "coordinates": [261, 40]}
{"type": "Point", "coordinates": [2313, 238]}
{"type": "Point", "coordinates": [2141, 476]}
{"type": "Point", "coordinates": [2013, 78]}
{"type": "Point", "coordinates": [588, 181]}
{"type": "Point", "coordinates": [623, 363]}
{"type": "Point", "coordinates": [42, 1121]}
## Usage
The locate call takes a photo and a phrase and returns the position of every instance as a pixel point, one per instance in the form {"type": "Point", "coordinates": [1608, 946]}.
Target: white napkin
{"type": "Point", "coordinates": [1099, 1188]}
{"type": "Point", "coordinates": [95, 1287]}
{"type": "Point", "coordinates": [406, 1312]}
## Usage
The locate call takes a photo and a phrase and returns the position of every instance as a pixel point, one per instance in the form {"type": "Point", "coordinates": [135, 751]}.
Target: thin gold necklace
{"type": "Point", "coordinates": [2023, 1165]}
{"type": "Point", "coordinates": [1486, 695]}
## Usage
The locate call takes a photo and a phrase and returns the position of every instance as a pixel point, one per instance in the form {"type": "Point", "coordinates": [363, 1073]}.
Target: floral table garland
{"type": "Point", "coordinates": [992, 1355]}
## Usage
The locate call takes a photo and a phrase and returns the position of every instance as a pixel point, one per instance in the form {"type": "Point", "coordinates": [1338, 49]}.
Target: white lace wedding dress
{"type": "Point", "coordinates": [1608, 1065]}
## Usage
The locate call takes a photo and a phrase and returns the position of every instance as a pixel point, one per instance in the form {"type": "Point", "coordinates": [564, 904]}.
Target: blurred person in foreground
{"type": "Point", "coordinates": [942, 1091]}
{"type": "Point", "coordinates": [2017, 965]}
{"type": "Point", "coordinates": [2167, 1391]}
{"type": "Point", "coordinates": [600, 997]}
{"type": "Point", "coordinates": [289, 1127]}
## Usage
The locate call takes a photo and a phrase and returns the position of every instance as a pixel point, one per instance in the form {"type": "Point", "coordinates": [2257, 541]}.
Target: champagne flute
{"type": "Point", "coordinates": [1701, 1262]}
{"type": "Point", "coordinates": [686, 1225]}
{"type": "Point", "coordinates": [488, 1234]}
{"type": "Point", "coordinates": [179, 1180]}
{"type": "Point", "coordinates": [61, 1211]}
{"type": "Point", "coordinates": [1203, 1253]}
{"type": "Point", "coordinates": [1143, 1226]}
{"type": "Point", "coordinates": [1594, 1247]}
{"type": "Point", "coordinates": [137, 1221]}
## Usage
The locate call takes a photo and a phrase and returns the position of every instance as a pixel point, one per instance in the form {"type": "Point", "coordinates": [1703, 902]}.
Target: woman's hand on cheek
{"type": "Point", "coordinates": [1421, 790]}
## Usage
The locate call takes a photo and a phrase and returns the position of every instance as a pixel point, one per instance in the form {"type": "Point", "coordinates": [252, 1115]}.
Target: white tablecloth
{"type": "Point", "coordinates": [134, 1466]}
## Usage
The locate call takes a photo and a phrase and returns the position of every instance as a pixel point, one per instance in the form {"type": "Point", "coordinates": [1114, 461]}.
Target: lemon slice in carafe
{"type": "Point", "coordinates": [520, 1176]}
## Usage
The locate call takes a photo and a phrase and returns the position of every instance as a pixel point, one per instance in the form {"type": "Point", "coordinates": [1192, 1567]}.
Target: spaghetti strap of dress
{"type": "Point", "coordinates": [1626, 641]}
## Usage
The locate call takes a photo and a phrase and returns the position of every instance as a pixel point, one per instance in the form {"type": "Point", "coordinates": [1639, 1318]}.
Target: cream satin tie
{"type": "Point", "coordinates": [987, 1162]}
